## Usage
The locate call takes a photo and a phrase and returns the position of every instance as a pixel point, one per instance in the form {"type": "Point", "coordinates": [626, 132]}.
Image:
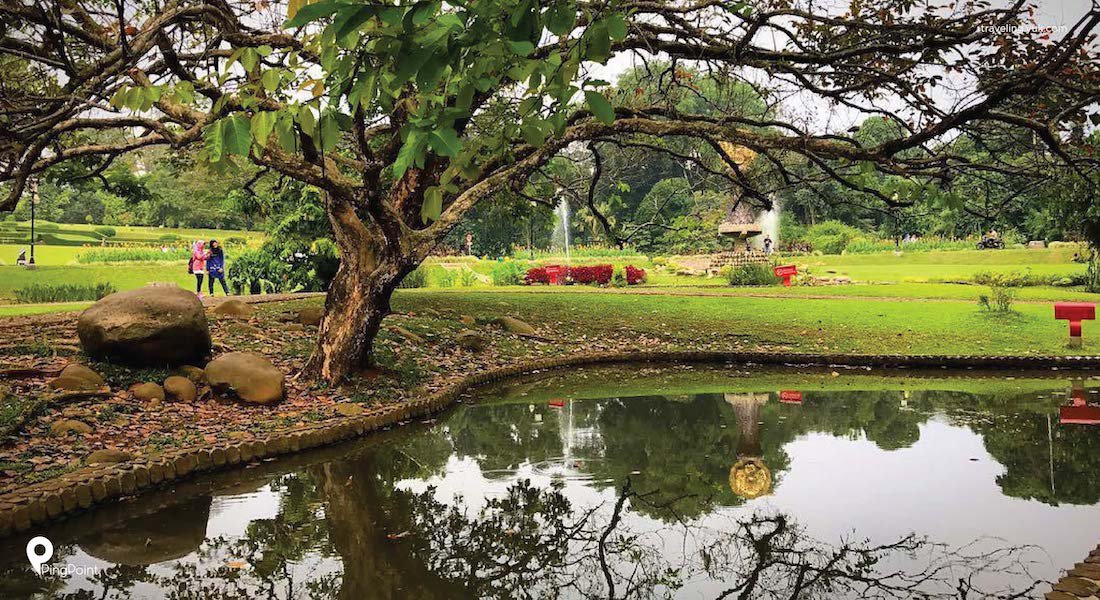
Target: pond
{"type": "Point", "coordinates": [634, 482]}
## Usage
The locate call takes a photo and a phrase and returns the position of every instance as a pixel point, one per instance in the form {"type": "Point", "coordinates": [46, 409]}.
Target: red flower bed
{"type": "Point", "coordinates": [634, 275]}
{"type": "Point", "coordinates": [598, 274]}
{"type": "Point", "coordinates": [536, 275]}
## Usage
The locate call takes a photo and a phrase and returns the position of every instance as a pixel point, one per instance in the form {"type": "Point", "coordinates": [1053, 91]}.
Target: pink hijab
{"type": "Point", "coordinates": [198, 257]}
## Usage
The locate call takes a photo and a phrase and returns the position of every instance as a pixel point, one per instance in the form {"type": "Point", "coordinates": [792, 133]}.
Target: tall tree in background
{"type": "Point", "coordinates": [409, 114]}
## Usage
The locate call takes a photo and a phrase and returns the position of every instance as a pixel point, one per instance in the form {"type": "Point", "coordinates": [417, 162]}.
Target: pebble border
{"type": "Point", "coordinates": [79, 490]}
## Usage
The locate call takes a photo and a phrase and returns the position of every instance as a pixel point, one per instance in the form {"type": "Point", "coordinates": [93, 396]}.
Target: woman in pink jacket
{"type": "Point", "coordinates": [197, 264]}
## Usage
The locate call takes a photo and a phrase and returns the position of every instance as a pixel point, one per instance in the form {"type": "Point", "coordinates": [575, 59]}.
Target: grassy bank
{"type": "Point", "coordinates": [856, 325]}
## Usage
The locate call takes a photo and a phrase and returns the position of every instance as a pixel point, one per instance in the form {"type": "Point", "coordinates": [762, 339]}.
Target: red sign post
{"type": "Point", "coordinates": [556, 273]}
{"type": "Point", "coordinates": [1080, 412]}
{"type": "Point", "coordinates": [790, 397]}
{"type": "Point", "coordinates": [1075, 312]}
{"type": "Point", "coordinates": [785, 272]}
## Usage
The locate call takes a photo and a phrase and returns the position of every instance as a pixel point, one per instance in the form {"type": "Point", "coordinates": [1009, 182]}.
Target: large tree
{"type": "Point", "coordinates": [408, 114]}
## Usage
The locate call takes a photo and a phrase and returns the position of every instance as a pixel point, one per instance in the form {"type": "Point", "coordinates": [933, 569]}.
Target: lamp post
{"type": "Point", "coordinates": [34, 204]}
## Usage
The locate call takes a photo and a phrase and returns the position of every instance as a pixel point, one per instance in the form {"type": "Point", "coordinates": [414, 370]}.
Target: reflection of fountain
{"type": "Point", "coordinates": [749, 477]}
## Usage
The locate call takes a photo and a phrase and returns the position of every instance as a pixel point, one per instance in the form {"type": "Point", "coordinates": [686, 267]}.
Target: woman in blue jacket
{"type": "Point", "coordinates": [215, 267]}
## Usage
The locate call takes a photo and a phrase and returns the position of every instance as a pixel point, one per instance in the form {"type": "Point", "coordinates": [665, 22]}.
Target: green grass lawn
{"type": "Point", "coordinates": [856, 325]}
{"type": "Point", "coordinates": [944, 265]}
{"type": "Point", "coordinates": [123, 276]}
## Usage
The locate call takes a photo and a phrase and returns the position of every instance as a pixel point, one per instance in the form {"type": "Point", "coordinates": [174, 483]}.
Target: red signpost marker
{"type": "Point", "coordinates": [785, 272]}
{"type": "Point", "coordinates": [790, 397]}
{"type": "Point", "coordinates": [556, 274]}
{"type": "Point", "coordinates": [1075, 312]}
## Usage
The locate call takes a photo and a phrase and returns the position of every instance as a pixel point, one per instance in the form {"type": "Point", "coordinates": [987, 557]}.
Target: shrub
{"type": "Point", "coordinates": [64, 292]}
{"type": "Point", "coordinates": [1092, 274]}
{"type": "Point", "coordinates": [831, 237]}
{"type": "Point", "coordinates": [634, 275]}
{"type": "Point", "coordinates": [1017, 279]}
{"type": "Point", "coordinates": [133, 254]}
{"type": "Point", "coordinates": [536, 275]}
{"type": "Point", "coordinates": [236, 241]}
{"type": "Point", "coordinates": [105, 232]}
{"type": "Point", "coordinates": [445, 277]}
{"type": "Point", "coordinates": [416, 279]}
{"type": "Point", "coordinates": [169, 238]}
{"type": "Point", "coordinates": [597, 274]}
{"type": "Point", "coordinates": [467, 277]}
{"type": "Point", "coordinates": [285, 265]}
{"type": "Point", "coordinates": [619, 278]}
{"type": "Point", "coordinates": [750, 274]}
{"type": "Point", "coordinates": [999, 300]}
{"type": "Point", "coordinates": [507, 272]}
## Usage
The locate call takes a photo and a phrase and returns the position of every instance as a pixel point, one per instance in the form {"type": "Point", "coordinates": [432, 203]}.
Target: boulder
{"type": "Point", "coordinates": [180, 389]}
{"type": "Point", "coordinates": [471, 340]}
{"type": "Point", "coordinates": [234, 308]}
{"type": "Point", "coordinates": [408, 335]}
{"type": "Point", "coordinates": [67, 426]}
{"type": "Point", "coordinates": [513, 325]}
{"type": "Point", "coordinates": [147, 392]}
{"type": "Point", "coordinates": [146, 327]}
{"type": "Point", "coordinates": [249, 376]}
{"type": "Point", "coordinates": [195, 374]}
{"type": "Point", "coordinates": [80, 371]}
{"type": "Point", "coordinates": [154, 537]}
{"type": "Point", "coordinates": [349, 409]}
{"type": "Point", "coordinates": [1036, 244]}
{"type": "Point", "coordinates": [108, 456]}
{"type": "Point", "coordinates": [311, 315]}
{"type": "Point", "coordinates": [72, 384]}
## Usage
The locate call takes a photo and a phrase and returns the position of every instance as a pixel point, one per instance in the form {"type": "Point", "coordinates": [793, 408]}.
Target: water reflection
{"type": "Point", "coordinates": [711, 488]}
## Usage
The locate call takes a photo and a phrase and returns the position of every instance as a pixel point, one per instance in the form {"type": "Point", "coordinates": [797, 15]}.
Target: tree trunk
{"type": "Point", "coordinates": [357, 302]}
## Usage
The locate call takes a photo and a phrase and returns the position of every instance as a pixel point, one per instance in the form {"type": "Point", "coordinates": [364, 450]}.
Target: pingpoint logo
{"type": "Point", "coordinates": [39, 558]}
{"type": "Point", "coordinates": [40, 551]}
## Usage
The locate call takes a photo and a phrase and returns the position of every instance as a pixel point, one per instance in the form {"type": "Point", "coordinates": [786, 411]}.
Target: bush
{"type": "Point", "coordinates": [634, 275]}
{"type": "Point", "coordinates": [236, 241]}
{"type": "Point", "coordinates": [750, 274]}
{"type": "Point", "coordinates": [508, 272]}
{"type": "Point", "coordinates": [467, 277]}
{"type": "Point", "coordinates": [169, 238]}
{"type": "Point", "coordinates": [445, 277]}
{"type": "Point", "coordinates": [416, 279]}
{"type": "Point", "coordinates": [999, 300]}
{"type": "Point", "coordinates": [135, 254]}
{"type": "Point", "coordinates": [105, 232]}
{"type": "Point", "coordinates": [1017, 279]}
{"type": "Point", "coordinates": [65, 292]}
{"type": "Point", "coordinates": [536, 275]}
{"type": "Point", "coordinates": [1092, 274]}
{"type": "Point", "coordinates": [284, 265]}
{"type": "Point", "coordinates": [831, 237]}
{"type": "Point", "coordinates": [618, 279]}
{"type": "Point", "coordinates": [597, 274]}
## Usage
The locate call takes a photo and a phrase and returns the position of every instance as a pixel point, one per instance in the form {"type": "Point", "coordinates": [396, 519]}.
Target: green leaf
{"type": "Point", "coordinates": [533, 134]}
{"type": "Point", "coordinates": [409, 62]}
{"type": "Point", "coordinates": [214, 141]}
{"type": "Point", "coordinates": [350, 19]}
{"type": "Point", "coordinates": [328, 131]}
{"type": "Point", "coordinates": [433, 204]}
{"type": "Point", "coordinates": [284, 132]}
{"type": "Point", "coordinates": [616, 27]}
{"type": "Point", "coordinates": [523, 48]}
{"type": "Point", "coordinates": [270, 79]}
{"type": "Point", "coordinates": [599, 43]}
{"type": "Point", "coordinates": [307, 121]}
{"type": "Point", "coordinates": [600, 107]}
{"type": "Point", "coordinates": [561, 17]}
{"type": "Point", "coordinates": [262, 125]}
{"type": "Point", "coordinates": [237, 135]}
{"type": "Point", "coordinates": [311, 12]}
{"type": "Point", "coordinates": [411, 152]}
{"type": "Point", "coordinates": [249, 58]}
{"type": "Point", "coordinates": [445, 142]}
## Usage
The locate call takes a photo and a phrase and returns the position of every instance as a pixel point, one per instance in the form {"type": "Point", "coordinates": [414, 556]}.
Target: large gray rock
{"type": "Point", "coordinates": [249, 376]}
{"type": "Point", "coordinates": [148, 326]}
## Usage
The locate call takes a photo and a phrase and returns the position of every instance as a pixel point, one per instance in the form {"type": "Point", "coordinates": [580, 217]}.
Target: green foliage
{"type": "Point", "coordinates": [999, 300]}
{"type": "Point", "coordinates": [444, 277]}
{"type": "Point", "coordinates": [105, 232]}
{"type": "Point", "coordinates": [466, 277]}
{"type": "Point", "coordinates": [750, 274]}
{"type": "Point", "coordinates": [1092, 275]}
{"type": "Point", "coordinates": [134, 254]}
{"type": "Point", "coordinates": [37, 292]}
{"type": "Point", "coordinates": [831, 237]}
{"type": "Point", "coordinates": [618, 278]}
{"type": "Point", "coordinates": [418, 278]}
{"type": "Point", "coordinates": [285, 265]}
{"type": "Point", "coordinates": [169, 238]}
{"type": "Point", "coordinates": [507, 272]}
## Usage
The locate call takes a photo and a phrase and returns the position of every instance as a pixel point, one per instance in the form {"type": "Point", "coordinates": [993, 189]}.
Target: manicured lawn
{"type": "Point", "coordinates": [945, 265]}
{"type": "Point", "coordinates": [19, 310]}
{"type": "Point", "coordinates": [856, 325]}
{"type": "Point", "coordinates": [123, 276]}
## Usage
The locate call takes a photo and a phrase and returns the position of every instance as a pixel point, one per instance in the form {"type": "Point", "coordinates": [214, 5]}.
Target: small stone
{"type": "Point", "coordinates": [147, 392]}
{"type": "Point", "coordinates": [471, 340]}
{"type": "Point", "coordinates": [249, 376]}
{"type": "Point", "coordinates": [67, 426]}
{"type": "Point", "coordinates": [295, 327]}
{"type": "Point", "coordinates": [108, 456]}
{"type": "Point", "coordinates": [80, 371]}
{"type": "Point", "coordinates": [349, 409]}
{"type": "Point", "coordinates": [408, 335]}
{"type": "Point", "coordinates": [311, 316]}
{"type": "Point", "coordinates": [180, 389]}
{"type": "Point", "coordinates": [76, 412]}
{"type": "Point", "coordinates": [467, 320]}
{"type": "Point", "coordinates": [234, 309]}
{"type": "Point", "coordinates": [516, 326]}
{"type": "Point", "coordinates": [72, 384]}
{"type": "Point", "coordinates": [195, 374]}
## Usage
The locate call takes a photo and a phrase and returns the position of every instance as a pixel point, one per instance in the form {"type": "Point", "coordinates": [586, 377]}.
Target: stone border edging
{"type": "Point", "coordinates": [79, 490]}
